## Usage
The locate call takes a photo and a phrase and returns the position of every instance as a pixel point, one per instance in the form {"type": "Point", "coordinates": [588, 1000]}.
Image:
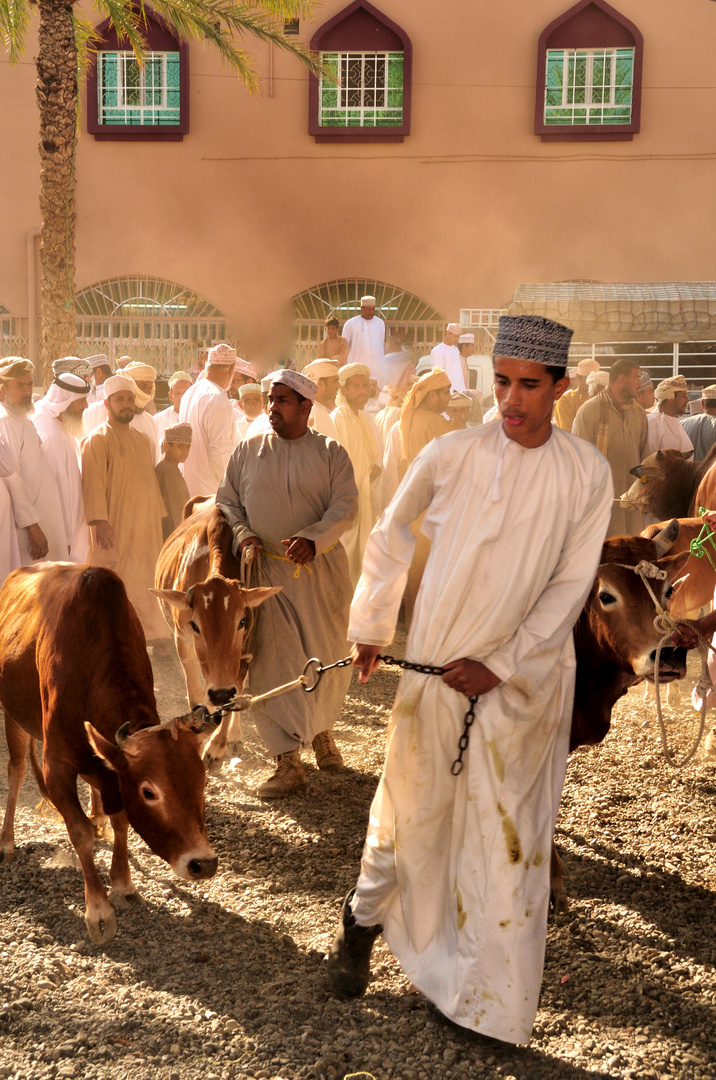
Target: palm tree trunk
{"type": "Point", "coordinates": [57, 99]}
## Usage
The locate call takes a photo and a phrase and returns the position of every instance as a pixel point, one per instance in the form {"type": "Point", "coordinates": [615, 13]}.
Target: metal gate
{"type": "Point", "coordinates": [158, 322]}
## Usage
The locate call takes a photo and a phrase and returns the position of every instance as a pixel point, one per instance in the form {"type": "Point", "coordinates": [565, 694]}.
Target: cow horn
{"type": "Point", "coordinates": [189, 596]}
{"type": "Point", "coordinates": [122, 735]}
{"type": "Point", "coordinates": [666, 538]}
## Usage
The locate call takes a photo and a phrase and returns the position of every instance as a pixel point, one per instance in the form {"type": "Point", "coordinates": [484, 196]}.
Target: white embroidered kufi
{"type": "Point", "coordinates": [668, 388]}
{"type": "Point", "coordinates": [303, 386]}
{"type": "Point", "coordinates": [249, 388]}
{"type": "Point", "coordinates": [266, 382]}
{"type": "Point", "coordinates": [100, 360]}
{"type": "Point", "coordinates": [454, 328]}
{"type": "Point", "coordinates": [367, 301]}
{"type": "Point", "coordinates": [709, 393]}
{"type": "Point", "coordinates": [321, 369]}
{"type": "Point", "coordinates": [245, 368]}
{"type": "Point", "coordinates": [349, 370]}
{"type": "Point", "coordinates": [180, 376]}
{"type": "Point", "coordinates": [117, 383]}
{"type": "Point", "coordinates": [466, 339]}
{"type": "Point", "coordinates": [222, 354]}
{"type": "Point", "coordinates": [178, 433]}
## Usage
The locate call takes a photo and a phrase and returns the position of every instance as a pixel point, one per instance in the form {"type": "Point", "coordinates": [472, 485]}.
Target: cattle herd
{"type": "Point", "coordinates": [75, 677]}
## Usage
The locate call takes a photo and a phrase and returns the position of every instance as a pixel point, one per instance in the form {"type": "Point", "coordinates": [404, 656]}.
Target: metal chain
{"type": "Point", "coordinates": [243, 701]}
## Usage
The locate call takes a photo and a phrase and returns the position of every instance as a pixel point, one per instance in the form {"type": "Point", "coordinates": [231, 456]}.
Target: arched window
{"type": "Point", "coordinates": [589, 75]}
{"type": "Point", "coordinates": [370, 58]}
{"type": "Point", "coordinates": [127, 100]}
{"type": "Point", "coordinates": [411, 323]}
{"type": "Point", "coordinates": [159, 322]}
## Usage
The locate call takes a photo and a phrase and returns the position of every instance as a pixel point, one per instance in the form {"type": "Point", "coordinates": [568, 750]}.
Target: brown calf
{"type": "Point", "coordinates": [74, 673]}
{"type": "Point", "coordinates": [209, 613]}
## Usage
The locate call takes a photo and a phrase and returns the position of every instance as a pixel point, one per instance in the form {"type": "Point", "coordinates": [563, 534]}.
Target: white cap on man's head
{"type": "Point", "coordinates": [466, 339]}
{"type": "Point", "coordinates": [222, 354]}
{"type": "Point", "coordinates": [454, 328]}
{"type": "Point", "coordinates": [367, 301]}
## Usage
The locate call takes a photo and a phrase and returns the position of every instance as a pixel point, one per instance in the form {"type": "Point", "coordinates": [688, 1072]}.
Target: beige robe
{"type": "Point", "coordinates": [361, 438]}
{"type": "Point", "coordinates": [627, 446]}
{"type": "Point", "coordinates": [275, 489]}
{"type": "Point", "coordinates": [120, 487]}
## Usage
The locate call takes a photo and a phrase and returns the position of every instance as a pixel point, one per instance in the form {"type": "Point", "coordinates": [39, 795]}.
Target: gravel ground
{"type": "Point", "coordinates": [227, 979]}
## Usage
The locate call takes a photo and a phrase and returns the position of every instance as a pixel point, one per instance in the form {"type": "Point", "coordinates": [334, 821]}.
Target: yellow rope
{"type": "Point", "coordinates": [351, 1076]}
{"type": "Point", "coordinates": [296, 573]}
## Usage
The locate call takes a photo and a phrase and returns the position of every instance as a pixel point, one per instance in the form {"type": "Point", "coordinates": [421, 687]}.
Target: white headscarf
{"type": "Point", "coordinates": [59, 397]}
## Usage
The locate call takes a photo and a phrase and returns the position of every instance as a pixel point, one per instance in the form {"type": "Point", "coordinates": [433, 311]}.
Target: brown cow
{"type": "Point", "coordinates": [615, 642]}
{"type": "Point", "coordinates": [209, 612]}
{"type": "Point", "coordinates": [670, 485]}
{"type": "Point", "coordinates": [698, 588]}
{"type": "Point", "coordinates": [74, 673]}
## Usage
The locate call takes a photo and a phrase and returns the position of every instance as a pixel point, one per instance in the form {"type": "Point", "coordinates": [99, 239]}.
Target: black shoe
{"type": "Point", "coordinates": [349, 958]}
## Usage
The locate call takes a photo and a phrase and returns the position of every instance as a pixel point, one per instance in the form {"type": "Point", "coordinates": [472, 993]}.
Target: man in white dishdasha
{"type": "Point", "coordinates": [289, 494]}
{"type": "Point", "coordinates": [455, 868]}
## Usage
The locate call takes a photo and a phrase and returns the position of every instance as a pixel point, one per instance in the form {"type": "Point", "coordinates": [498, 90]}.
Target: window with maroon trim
{"type": "Point", "coordinates": [589, 76]}
{"type": "Point", "coordinates": [367, 94]}
{"type": "Point", "coordinates": [128, 100]}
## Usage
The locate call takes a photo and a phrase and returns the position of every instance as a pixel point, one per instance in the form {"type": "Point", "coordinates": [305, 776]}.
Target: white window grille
{"type": "Point", "coordinates": [369, 91]}
{"type": "Point", "coordinates": [146, 94]}
{"type": "Point", "coordinates": [589, 86]}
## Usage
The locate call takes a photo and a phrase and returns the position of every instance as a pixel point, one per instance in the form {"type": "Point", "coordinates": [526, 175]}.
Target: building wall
{"type": "Point", "coordinates": [248, 210]}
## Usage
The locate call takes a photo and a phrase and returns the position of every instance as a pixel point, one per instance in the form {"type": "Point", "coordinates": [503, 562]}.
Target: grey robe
{"type": "Point", "coordinates": [275, 489]}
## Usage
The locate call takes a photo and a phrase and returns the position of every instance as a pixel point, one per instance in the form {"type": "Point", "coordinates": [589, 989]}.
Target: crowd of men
{"type": "Point", "coordinates": [372, 477]}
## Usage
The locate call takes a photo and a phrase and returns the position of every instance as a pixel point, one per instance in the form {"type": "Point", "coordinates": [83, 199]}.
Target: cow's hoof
{"type": "Point", "coordinates": [234, 749]}
{"type": "Point", "coordinates": [122, 897]}
{"type": "Point", "coordinates": [7, 854]}
{"type": "Point", "coordinates": [558, 902]}
{"type": "Point", "coordinates": [101, 827]}
{"type": "Point", "coordinates": [213, 764]}
{"type": "Point", "coordinates": [102, 928]}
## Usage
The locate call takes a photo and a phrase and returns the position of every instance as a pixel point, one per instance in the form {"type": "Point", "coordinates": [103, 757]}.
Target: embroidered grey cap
{"type": "Point", "coordinates": [532, 337]}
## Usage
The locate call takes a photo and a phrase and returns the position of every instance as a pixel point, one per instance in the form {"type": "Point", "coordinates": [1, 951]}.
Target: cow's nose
{"type": "Point", "coordinates": [222, 695]}
{"type": "Point", "coordinates": [675, 657]}
{"type": "Point", "coordinates": [203, 868]}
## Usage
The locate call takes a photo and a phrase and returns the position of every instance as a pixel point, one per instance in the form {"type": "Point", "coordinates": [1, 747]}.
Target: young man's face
{"type": "Point", "coordinates": [252, 405]}
{"type": "Point", "coordinates": [120, 406]}
{"type": "Point", "coordinates": [356, 390]}
{"type": "Point", "coordinates": [176, 452]}
{"type": "Point", "coordinates": [177, 391]}
{"type": "Point", "coordinates": [525, 395]}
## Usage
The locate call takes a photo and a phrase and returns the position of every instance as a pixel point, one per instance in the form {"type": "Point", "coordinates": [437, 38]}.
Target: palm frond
{"type": "Point", "coordinates": [127, 20]}
{"type": "Point", "coordinates": [14, 19]}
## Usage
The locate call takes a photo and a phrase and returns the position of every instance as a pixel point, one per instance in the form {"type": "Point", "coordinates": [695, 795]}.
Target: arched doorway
{"type": "Point", "coordinates": [418, 324]}
{"type": "Point", "coordinates": [158, 322]}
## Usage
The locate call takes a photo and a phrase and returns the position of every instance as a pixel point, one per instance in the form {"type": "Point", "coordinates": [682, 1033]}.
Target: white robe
{"type": "Point", "coordinates": [666, 433]}
{"type": "Point", "coordinates": [213, 436]}
{"type": "Point", "coordinates": [447, 357]}
{"type": "Point", "coordinates": [360, 436]}
{"type": "Point", "coordinates": [33, 489]}
{"type": "Point", "coordinates": [457, 868]}
{"type": "Point", "coordinates": [63, 455]}
{"type": "Point", "coordinates": [9, 551]}
{"type": "Point", "coordinates": [164, 419]}
{"type": "Point", "coordinates": [321, 421]}
{"type": "Point", "coordinates": [366, 338]}
{"type": "Point", "coordinates": [96, 394]}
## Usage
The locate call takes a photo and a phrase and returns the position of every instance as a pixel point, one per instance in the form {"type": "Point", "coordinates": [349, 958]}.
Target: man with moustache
{"type": "Point", "coordinates": [123, 505]}
{"type": "Point", "coordinates": [36, 505]}
{"type": "Point", "coordinates": [455, 868]}
{"type": "Point", "coordinates": [289, 496]}
{"type": "Point", "coordinates": [614, 423]}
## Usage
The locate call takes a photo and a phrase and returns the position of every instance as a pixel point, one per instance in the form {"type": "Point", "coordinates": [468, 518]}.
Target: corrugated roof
{"type": "Point", "coordinates": [624, 311]}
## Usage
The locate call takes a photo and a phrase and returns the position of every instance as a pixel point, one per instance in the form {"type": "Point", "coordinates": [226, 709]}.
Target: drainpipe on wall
{"type": "Point", "coordinates": [31, 295]}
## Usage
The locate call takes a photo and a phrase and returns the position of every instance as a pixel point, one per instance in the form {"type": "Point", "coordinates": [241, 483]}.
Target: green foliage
{"type": "Point", "coordinates": [219, 23]}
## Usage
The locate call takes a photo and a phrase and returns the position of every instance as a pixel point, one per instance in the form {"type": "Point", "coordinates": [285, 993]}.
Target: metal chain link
{"type": "Point", "coordinates": [405, 665]}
